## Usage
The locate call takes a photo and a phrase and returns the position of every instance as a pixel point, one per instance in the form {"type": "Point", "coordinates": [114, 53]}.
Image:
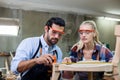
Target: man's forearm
{"type": "Point", "coordinates": [25, 65]}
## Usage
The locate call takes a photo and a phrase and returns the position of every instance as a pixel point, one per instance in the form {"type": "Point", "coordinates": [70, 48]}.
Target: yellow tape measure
{"type": "Point", "coordinates": [85, 62]}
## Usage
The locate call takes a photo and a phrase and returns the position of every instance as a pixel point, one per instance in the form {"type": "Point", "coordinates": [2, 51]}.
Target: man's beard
{"type": "Point", "coordinates": [52, 41]}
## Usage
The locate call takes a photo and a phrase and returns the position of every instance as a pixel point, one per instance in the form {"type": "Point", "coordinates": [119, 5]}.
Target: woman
{"type": "Point", "coordinates": [88, 48]}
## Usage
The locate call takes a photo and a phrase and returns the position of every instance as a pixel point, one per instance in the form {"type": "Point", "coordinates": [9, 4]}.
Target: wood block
{"type": "Point", "coordinates": [117, 30]}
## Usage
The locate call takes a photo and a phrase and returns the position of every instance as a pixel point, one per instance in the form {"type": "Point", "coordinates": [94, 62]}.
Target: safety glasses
{"type": "Point", "coordinates": [85, 31]}
{"type": "Point", "coordinates": [56, 31]}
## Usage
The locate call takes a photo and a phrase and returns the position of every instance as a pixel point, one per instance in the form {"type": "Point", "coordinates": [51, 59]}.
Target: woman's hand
{"type": "Point", "coordinates": [67, 60]}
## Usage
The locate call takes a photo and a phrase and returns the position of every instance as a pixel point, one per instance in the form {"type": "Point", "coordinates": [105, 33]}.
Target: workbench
{"type": "Point", "coordinates": [84, 67]}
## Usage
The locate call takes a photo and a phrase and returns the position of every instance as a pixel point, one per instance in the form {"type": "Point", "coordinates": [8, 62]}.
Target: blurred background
{"type": "Point", "coordinates": [30, 16]}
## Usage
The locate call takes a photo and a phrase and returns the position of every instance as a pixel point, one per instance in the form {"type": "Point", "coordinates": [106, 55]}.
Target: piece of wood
{"type": "Point", "coordinates": [90, 75]}
{"type": "Point", "coordinates": [108, 67]}
{"type": "Point", "coordinates": [116, 57]}
{"type": "Point", "coordinates": [55, 72]}
{"type": "Point", "coordinates": [11, 55]}
{"type": "Point", "coordinates": [87, 67]}
{"type": "Point", "coordinates": [6, 65]}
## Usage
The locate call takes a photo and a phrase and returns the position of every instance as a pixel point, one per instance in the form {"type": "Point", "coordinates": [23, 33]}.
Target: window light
{"type": "Point", "coordinates": [113, 19]}
{"type": "Point", "coordinates": [108, 18]}
{"type": "Point", "coordinates": [9, 27]}
{"type": "Point", "coordinates": [9, 30]}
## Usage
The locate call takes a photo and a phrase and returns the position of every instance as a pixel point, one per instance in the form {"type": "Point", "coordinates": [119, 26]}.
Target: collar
{"type": "Point", "coordinates": [97, 48]}
{"type": "Point", "coordinates": [44, 44]}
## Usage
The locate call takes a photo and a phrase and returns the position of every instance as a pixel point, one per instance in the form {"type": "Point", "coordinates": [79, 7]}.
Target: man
{"type": "Point", "coordinates": [33, 56]}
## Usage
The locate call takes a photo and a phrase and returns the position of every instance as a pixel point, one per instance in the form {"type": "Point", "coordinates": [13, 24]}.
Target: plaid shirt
{"type": "Point", "coordinates": [100, 53]}
{"type": "Point", "coordinates": [104, 54]}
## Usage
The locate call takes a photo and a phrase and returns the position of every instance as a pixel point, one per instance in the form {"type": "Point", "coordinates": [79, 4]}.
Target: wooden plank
{"type": "Point", "coordinates": [87, 67]}
{"type": "Point", "coordinates": [116, 57]}
{"type": "Point", "coordinates": [108, 67]}
{"type": "Point", "coordinates": [55, 72]}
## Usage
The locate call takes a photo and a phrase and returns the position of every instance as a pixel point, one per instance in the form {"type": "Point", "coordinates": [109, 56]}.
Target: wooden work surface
{"type": "Point", "coordinates": [81, 66]}
{"type": "Point", "coordinates": [95, 67]}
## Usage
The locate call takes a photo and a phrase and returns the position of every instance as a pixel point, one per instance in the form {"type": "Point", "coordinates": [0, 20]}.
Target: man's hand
{"type": "Point", "coordinates": [45, 59]}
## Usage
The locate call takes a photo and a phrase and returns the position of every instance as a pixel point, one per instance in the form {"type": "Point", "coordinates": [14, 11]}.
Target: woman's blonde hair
{"type": "Point", "coordinates": [96, 37]}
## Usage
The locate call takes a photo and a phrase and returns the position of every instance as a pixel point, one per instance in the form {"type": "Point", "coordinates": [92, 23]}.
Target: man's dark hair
{"type": "Point", "coordinates": [55, 20]}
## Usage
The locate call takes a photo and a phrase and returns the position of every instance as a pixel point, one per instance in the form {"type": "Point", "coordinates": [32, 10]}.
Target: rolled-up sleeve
{"type": "Point", "coordinates": [22, 53]}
